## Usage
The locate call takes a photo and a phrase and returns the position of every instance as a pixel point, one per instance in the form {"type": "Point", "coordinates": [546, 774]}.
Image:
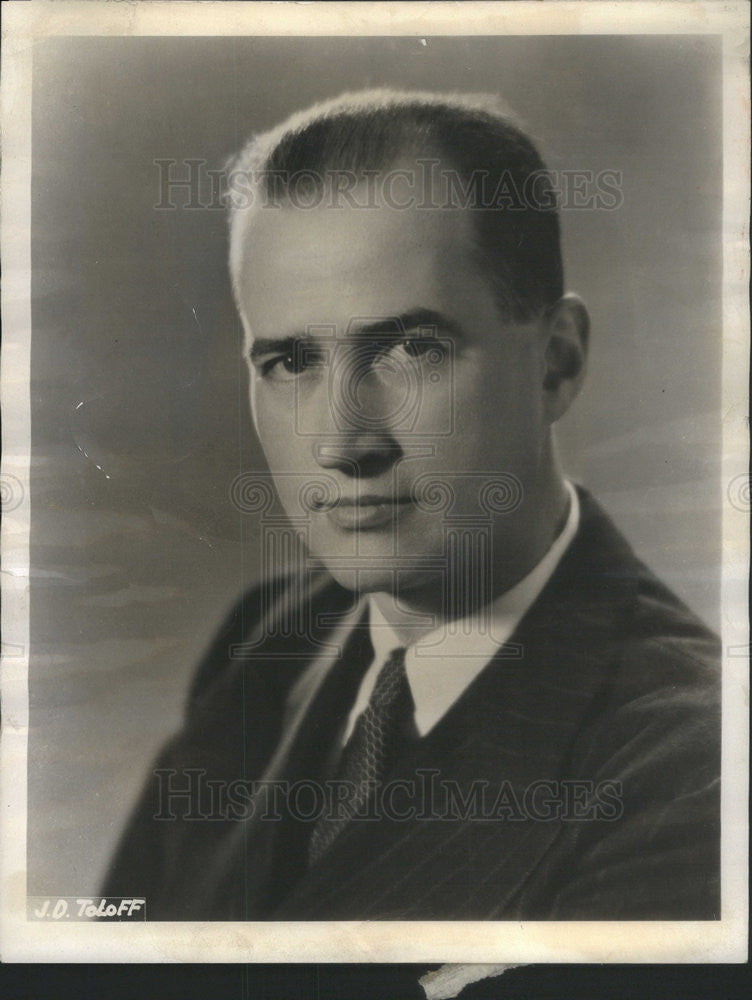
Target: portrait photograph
{"type": "Point", "coordinates": [375, 482]}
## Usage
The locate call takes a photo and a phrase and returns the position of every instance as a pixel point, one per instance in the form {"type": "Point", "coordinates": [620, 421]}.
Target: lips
{"type": "Point", "coordinates": [367, 512]}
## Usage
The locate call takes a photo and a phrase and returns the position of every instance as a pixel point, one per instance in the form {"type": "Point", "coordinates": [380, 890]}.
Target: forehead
{"type": "Point", "coordinates": [331, 264]}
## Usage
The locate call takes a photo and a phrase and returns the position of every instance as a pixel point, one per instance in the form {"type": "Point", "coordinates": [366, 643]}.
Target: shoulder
{"type": "Point", "coordinates": [272, 630]}
{"type": "Point", "coordinates": [219, 659]}
{"type": "Point", "coordinates": [668, 647]}
{"type": "Point", "coordinates": [660, 681]}
{"type": "Point", "coordinates": [667, 657]}
{"type": "Point", "coordinates": [656, 734]}
{"type": "Point", "coordinates": [651, 739]}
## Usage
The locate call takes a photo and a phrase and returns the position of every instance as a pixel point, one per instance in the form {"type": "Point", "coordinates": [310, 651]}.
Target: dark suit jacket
{"type": "Point", "coordinates": [595, 734]}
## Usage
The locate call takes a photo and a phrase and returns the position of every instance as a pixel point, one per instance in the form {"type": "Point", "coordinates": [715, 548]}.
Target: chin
{"type": "Point", "coordinates": [405, 585]}
{"type": "Point", "coordinates": [365, 581]}
{"type": "Point", "coordinates": [376, 554]}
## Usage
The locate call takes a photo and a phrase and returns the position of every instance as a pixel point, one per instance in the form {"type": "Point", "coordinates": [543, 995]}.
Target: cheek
{"type": "Point", "coordinates": [498, 413]}
{"type": "Point", "coordinates": [273, 418]}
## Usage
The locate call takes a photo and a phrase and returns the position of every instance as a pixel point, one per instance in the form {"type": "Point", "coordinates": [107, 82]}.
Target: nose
{"type": "Point", "coordinates": [361, 442]}
{"type": "Point", "coordinates": [357, 458]}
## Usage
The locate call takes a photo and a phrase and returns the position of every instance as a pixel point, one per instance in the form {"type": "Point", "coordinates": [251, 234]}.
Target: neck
{"type": "Point", "coordinates": [520, 540]}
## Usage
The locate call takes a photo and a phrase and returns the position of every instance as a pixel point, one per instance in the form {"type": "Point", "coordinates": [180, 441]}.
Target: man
{"type": "Point", "coordinates": [461, 696]}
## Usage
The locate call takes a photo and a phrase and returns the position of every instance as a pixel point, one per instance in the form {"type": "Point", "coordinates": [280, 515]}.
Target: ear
{"type": "Point", "coordinates": [566, 333]}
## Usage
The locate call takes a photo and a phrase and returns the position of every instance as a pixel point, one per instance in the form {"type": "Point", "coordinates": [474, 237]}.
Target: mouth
{"type": "Point", "coordinates": [366, 512]}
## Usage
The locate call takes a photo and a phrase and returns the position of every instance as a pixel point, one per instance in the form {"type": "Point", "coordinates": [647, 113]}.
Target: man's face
{"type": "Point", "coordinates": [382, 369]}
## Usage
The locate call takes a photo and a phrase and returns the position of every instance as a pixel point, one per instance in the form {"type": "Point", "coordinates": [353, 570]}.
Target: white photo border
{"type": "Point", "coordinates": [724, 940]}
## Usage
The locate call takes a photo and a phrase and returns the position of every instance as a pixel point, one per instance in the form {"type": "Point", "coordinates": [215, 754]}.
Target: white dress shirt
{"type": "Point", "coordinates": [443, 663]}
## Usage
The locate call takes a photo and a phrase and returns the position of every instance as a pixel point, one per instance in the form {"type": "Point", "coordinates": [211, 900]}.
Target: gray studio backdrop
{"type": "Point", "coordinates": [140, 423]}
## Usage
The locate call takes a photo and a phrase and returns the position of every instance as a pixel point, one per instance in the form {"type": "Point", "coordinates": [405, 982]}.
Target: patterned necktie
{"type": "Point", "coordinates": [374, 745]}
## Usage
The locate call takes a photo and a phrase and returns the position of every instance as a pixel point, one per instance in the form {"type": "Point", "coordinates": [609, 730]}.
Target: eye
{"type": "Point", "coordinates": [286, 367]}
{"type": "Point", "coordinates": [281, 368]}
{"type": "Point", "coordinates": [418, 347]}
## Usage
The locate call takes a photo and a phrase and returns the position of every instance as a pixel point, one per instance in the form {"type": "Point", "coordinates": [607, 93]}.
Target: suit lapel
{"type": "Point", "coordinates": [245, 867]}
{"type": "Point", "coordinates": [512, 730]}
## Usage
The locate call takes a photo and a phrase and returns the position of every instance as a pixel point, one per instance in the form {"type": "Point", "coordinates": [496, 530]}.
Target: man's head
{"type": "Point", "coordinates": [468, 145]}
{"type": "Point", "coordinates": [398, 273]}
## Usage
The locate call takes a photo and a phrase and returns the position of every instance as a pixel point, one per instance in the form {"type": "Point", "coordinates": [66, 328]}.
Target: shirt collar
{"type": "Point", "coordinates": [443, 663]}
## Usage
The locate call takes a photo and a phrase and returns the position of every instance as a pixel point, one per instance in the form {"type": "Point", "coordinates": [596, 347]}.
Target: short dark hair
{"type": "Point", "coordinates": [498, 171]}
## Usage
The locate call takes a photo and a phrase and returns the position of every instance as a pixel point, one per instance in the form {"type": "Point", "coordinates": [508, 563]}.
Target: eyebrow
{"type": "Point", "coordinates": [414, 318]}
{"type": "Point", "coordinates": [270, 345]}
{"type": "Point", "coordinates": [396, 325]}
